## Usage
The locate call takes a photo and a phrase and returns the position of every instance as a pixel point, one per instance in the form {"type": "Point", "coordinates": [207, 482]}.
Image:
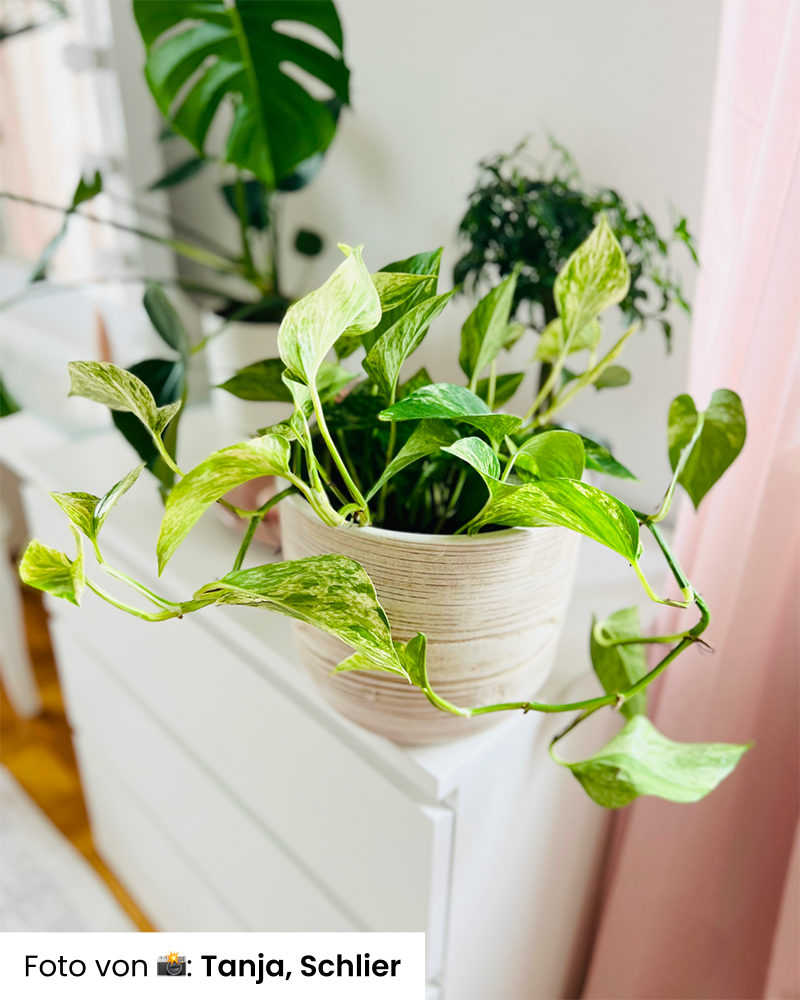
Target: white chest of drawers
{"type": "Point", "coordinates": [226, 795]}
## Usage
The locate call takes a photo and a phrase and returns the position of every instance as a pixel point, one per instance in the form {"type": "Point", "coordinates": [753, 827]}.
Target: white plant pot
{"type": "Point", "coordinates": [492, 607]}
{"type": "Point", "coordinates": [238, 345]}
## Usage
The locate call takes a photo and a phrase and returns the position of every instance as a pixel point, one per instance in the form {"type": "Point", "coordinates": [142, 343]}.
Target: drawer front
{"type": "Point", "coordinates": [348, 824]}
{"type": "Point", "coordinates": [173, 895]}
{"type": "Point", "coordinates": [231, 853]}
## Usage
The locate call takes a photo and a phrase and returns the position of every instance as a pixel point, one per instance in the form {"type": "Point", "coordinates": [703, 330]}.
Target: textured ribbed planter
{"type": "Point", "coordinates": [491, 605]}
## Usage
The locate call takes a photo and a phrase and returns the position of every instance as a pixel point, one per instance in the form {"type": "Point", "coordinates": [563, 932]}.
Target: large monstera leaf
{"type": "Point", "coordinates": [201, 51]}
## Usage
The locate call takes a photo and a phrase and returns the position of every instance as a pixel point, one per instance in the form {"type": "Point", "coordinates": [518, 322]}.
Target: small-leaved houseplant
{"type": "Point", "coordinates": [445, 498]}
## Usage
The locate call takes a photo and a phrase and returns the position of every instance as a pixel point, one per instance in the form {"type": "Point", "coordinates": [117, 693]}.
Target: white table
{"type": "Point", "coordinates": [225, 794]}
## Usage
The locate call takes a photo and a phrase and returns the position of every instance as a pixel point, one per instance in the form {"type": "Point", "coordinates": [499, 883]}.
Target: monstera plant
{"type": "Point", "coordinates": [420, 456]}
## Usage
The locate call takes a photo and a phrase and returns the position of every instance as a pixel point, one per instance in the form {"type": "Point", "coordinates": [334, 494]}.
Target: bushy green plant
{"type": "Point", "coordinates": [533, 214]}
{"type": "Point", "coordinates": [424, 455]}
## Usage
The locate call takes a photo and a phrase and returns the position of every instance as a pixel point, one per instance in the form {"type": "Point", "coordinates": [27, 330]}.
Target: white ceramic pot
{"type": "Point", "coordinates": [238, 345]}
{"type": "Point", "coordinates": [491, 605]}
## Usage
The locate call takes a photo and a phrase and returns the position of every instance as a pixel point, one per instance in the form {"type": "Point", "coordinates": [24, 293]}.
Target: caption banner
{"type": "Point", "coordinates": [213, 965]}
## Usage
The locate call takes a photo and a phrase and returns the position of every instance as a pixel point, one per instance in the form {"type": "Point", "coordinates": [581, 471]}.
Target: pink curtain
{"type": "Point", "coordinates": [702, 900]}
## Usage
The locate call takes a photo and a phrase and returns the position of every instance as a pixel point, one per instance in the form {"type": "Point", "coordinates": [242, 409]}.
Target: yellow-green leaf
{"type": "Point", "coordinates": [618, 666]}
{"type": "Point", "coordinates": [214, 477]}
{"type": "Point", "coordinates": [639, 761]}
{"type": "Point", "coordinates": [347, 301]}
{"type": "Point", "coordinates": [50, 570]}
{"type": "Point", "coordinates": [595, 277]}
{"type": "Point", "coordinates": [120, 390]}
{"type": "Point", "coordinates": [332, 593]}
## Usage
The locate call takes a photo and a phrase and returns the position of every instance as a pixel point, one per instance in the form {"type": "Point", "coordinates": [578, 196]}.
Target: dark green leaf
{"type": "Point", "coordinates": [721, 440]}
{"type": "Point", "coordinates": [165, 380]}
{"type": "Point", "coordinates": [199, 54]}
{"type": "Point", "coordinates": [620, 666]}
{"type": "Point", "coordinates": [614, 375]}
{"type": "Point", "coordinates": [165, 319]}
{"type": "Point", "coordinates": [426, 439]}
{"type": "Point", "coordinates": [332, 593]}
{"type": "Point", "coordinates": [394, 346]}
{"type": "Point", "coordinates": [179, 174]}
{"type": "Point", "coordinates": [256, 203]}
{"type": "Point", "coordinates": [639, 761]}
{"type": "Point", "coordinates": [8, 405]}
{"type": "Point", "coordinates": [504, 389]}
{"type": "Point", "coordinates": [486, 328]}
{"type": "Point", "coordinates": [307, 243]}
{"type": "Point", "coordinates": [603, 461]}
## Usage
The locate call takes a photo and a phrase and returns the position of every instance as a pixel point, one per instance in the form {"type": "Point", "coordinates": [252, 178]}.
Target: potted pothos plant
{"type": "Point", "coordinates": [412, 507]}
{"type": "Point", "coordinates": [199, 58]}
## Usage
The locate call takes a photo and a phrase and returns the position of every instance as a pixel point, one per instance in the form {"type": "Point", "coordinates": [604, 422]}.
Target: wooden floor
{"type": "Point", "coordinates": [39, 754]}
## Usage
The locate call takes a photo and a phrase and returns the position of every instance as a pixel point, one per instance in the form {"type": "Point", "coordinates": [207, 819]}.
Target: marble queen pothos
{"type": "Point", "coordinates": [421, 456]}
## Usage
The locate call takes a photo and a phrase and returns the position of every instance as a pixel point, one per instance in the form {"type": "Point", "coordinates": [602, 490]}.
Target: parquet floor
{"type": "Point", "coordinates": [39, 754]}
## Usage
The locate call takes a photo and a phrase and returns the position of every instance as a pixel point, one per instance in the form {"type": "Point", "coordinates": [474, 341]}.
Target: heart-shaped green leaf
{"type": "Point", "coordinates": [486, 328]}
{"type": "Point", "coordinates": [201, 55]}
{"type": "Point", "coordinates": [332, 593]}
{"type": "Point", "coordinates": [552, 454]}
{"type": "Point", "coordinates": [721, 440]}
{"type": "Point", "coordinates": [426, 439]}
{"type": "Point", "coordinates": [313, 325]}
{"type": "Point", "coordinates": [212, 479]}
{"type": "Point", "coordinates": [477, 453]}
{"type": "Point", "coordinates": [49, 570]}
{"type": "Point", "coordinates": [595, 277]}
{"type": "Point", "coordinates": [618, 666]}
{"type": "Point", "coordinates": [639, 761]}
{"type": "Point", "coordinates": [165, 319]}
{"type": "Point", "coordinates": [120, 390]}
{"type": "Point", "coordinates": [389, 352]}
{"type": "Point", "coordinates": [569, 503]}
{"type": "Point", "coordinates": [443, 400]}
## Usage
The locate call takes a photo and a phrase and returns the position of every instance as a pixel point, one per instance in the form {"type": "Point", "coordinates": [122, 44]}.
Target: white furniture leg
{"type": "Point", "coordinates": [16, 669]}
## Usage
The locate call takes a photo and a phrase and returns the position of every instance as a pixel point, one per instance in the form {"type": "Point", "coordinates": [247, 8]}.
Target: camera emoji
{"type": "Point", "coordinates": [171, 965]}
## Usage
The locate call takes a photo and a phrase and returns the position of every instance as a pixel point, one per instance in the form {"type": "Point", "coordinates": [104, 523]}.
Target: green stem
{"type": "Point", "coordinates": [256, 518]}
{"type": "Point", "coordinates": [198, 254]}
{"type": "Point", "coordinates": [679, 468]}
{"type": "Point", "coordinates": [389, 456]}
{"type": "Point", "coordinates": [355, 493]}
{"type": "Point", "coordinates": [492, 385]}
{"type": "Point", "coordinates": [147, 616]}
{"type": "Point", "coordinates": [164, 603]}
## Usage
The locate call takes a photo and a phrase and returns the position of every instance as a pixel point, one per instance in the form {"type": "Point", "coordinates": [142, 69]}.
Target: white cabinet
{"type": "Point", "coordinates": [226, 795]}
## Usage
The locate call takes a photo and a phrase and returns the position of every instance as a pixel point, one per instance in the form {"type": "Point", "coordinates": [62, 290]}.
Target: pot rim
{"type": "Point", "coordinates": [299, 502]}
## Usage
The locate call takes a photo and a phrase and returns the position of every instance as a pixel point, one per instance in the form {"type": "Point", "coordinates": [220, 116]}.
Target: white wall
{"type": "Point", "coordinates": [439, 84]}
